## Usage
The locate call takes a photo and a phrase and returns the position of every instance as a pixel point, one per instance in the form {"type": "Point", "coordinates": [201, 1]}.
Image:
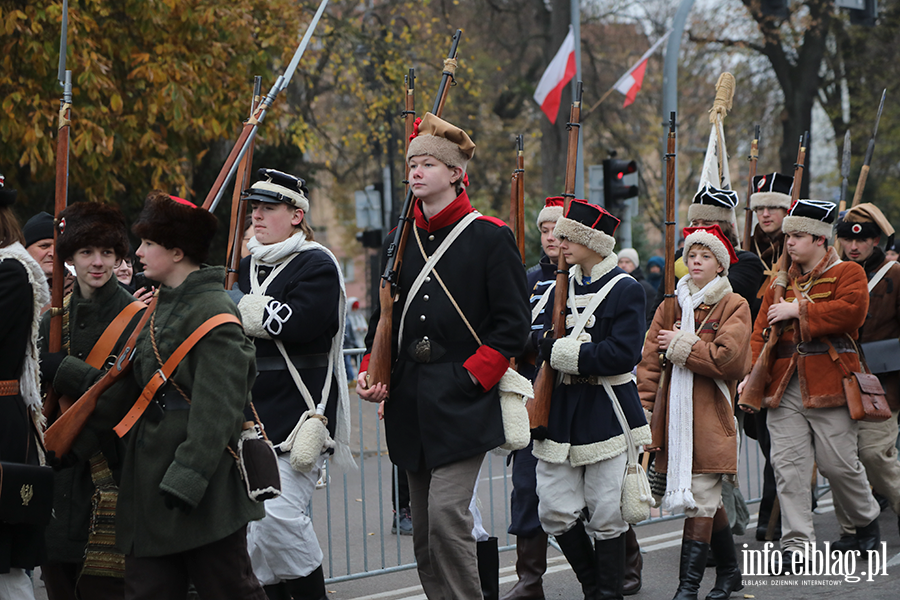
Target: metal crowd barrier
{"type": "Point", "coordinates": [353, 514]}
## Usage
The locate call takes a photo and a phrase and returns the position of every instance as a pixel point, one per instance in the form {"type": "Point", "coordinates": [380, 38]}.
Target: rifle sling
{"type": "Point", "coordinates": [104, 346]}
{"type": "Point", "coordinates": [163, 373]}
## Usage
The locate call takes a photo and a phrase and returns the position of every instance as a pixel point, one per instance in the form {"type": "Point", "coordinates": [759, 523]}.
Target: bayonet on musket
{"type": "Point", "coordinates": [252, 124]}
{"type": "Point", "coordinates": [864, 172]}
{"type": "Point", "coordinates": [748, 212]}
{"type": "Point", "coordinates": [845, 171]}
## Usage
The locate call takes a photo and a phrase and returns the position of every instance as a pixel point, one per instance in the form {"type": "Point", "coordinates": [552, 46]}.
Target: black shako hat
{"type": "Point", "coordinates": [277, 187]}
{"type": "Point", "coordinates": [37, 228]}
{"type": "Point", "coordinates": [589, 225]}
{"type": "Point", "coordinates": [772, 190]}
{"type": "Point", "coordinates": [7, 197]}
{"type": "Point", "coordinates": [713, 204]}
{"type": "Point", "coordinates": [815, 217]}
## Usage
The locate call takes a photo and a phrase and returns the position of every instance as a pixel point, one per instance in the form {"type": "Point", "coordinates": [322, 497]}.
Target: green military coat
{"type": "Point", "coordinates": [67, 533]}
{"type": "Point", "coordinates": [185, 451]}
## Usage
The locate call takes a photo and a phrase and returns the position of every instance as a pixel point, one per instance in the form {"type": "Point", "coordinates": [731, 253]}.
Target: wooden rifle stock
{"type": "Point", "coordinates": [381, 359]}
{"type": "Point", "coordinates": [748, 212]}
{"type": "Point", "coordinates": [238, 205]}
{"type": "Point", "coordinates": [54, 341]}
{"type": "Point", "coordinates": [539, 407]}
{"type": "Point", "coordinates": [755, 388]}
{"type": "Point", "coordinates": [660, 404]}
{"type": "Point", "coordinates": [60, 436]}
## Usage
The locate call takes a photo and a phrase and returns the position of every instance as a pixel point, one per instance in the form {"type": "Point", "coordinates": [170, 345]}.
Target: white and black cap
{"type": "Point", "coordinates": [278, 187]}
{"type": "Point", "coordinates": [815, 217]}
{"type": "Point", "coordinates": [713, 204]}
{"type": "Point", "coordinates": [772, 190]}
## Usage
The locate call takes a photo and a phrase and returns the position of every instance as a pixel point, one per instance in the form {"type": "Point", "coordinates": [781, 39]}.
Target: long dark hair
{"type": "Point", "coordinates": [10, 231]}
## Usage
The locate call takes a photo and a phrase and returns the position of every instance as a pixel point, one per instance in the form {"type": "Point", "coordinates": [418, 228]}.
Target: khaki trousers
{"type": "Point", "coordinates": [565, 491]}
{"type": "Point", "coordinates": [707, 491]}
{"type": "Point", "coordinates": [824, 436]}
{"type": "Point", "coordinates": [878, 453]}
{"type": "Point", "coordinates": [442, 529]}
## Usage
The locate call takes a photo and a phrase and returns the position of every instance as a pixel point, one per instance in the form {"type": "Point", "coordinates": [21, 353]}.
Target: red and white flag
{"type": "Point", "coordinates": [559, 72]}
{"type": "Point", "coordinates": [630, 82]}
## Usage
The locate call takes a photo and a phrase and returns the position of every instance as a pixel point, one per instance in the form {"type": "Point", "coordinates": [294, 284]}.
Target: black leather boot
{"type": "Point", "coordinates": [868, 537]}
{"type": "Point", "coordinates": [531, 564]}
{"type": "Point", "coordinates": [694, 550]}
{"type": "Point", "coordinates": [489, 568]}
{"type": "Point", "coordinates": [610, 565]}
{"type": "Point", "coordinates": [634, 562]}
{"type": "Point", "coordinates": [311, 587]}
{"type": "Point", "coordinates": [728, 573]}
{"type": "Point", "coordinates": [576, 545]}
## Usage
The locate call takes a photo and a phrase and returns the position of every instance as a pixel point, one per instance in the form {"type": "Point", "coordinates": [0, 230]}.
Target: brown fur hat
{"type": "Point", "coordinates": [176, 223]}
{"type": "Point", "coordinates": [95, 224]}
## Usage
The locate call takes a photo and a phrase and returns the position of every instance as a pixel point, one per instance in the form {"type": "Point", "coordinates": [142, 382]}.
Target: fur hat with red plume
{"type": "Point", "coordinates": [84, 224]}
{"type": "Point", "coordinates": [176, 223]}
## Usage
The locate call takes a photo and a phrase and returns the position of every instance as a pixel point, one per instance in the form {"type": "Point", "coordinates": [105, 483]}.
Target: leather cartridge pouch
{"type": "Point", "coordinates": [26, 493]}
{"type": "Point", "coordinates": [865, 396]}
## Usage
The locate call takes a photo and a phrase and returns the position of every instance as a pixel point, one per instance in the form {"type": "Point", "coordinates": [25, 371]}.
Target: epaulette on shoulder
{"type": "Point", "coordinates": [494, 220]}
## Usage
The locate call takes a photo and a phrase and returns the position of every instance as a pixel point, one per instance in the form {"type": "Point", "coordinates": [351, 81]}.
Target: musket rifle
{"type": "Point", "coordinates": [238, 203]}
{"type": "Point", "coordinates": [660, 405]}
{"type": "Point", "coordinates": [845, 175]}
{"type": "Point", "coordinates": [755, 389]}
{"type": "Point", "coordinates": [864, 172]}
{"type": "Point", "coordinates": [539, 407]}
{"type": "Point", "coordinates": [379, 370]}
{"type": "Point", "coordinates": [748, 212]}
{"type": "Point", "coordinates": [409, 118]}
{"type": "Point", "coordinates": [248, 133]}
{"type": "Point", "coordinates": [51, 402]}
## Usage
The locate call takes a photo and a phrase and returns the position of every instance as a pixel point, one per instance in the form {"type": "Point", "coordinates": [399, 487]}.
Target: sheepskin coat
{"type": "Point", "coordinates": [719, 349]}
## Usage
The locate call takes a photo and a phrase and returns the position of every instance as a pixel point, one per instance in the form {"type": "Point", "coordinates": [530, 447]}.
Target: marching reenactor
{"type": "Point", "coordinates": [824, 304]}
{"type": "Point", "coordinates": [82, 557]}
{"type": "Point", "coordinates": [709, 353]}
{"type": "Point", "coordinates": [183, 508]}
{"type": "Point", "coordinates": [457, 324]}
{"type": "Point", "coordinates": [770, 202]}
{"type": "Point", "coordinates": [860, 233]}
{"type": "Point", "coordinates": [582, 460]}
{"type": "Point", "coordinates": [292, 303]}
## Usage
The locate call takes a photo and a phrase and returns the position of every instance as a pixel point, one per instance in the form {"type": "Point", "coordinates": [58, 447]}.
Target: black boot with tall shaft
{"type": "Point", "coordinates": [728, 573]}
{"type": "Point", "coordinates": [694, 550]}
{"type": "Point", "coordinates": [576, 545]}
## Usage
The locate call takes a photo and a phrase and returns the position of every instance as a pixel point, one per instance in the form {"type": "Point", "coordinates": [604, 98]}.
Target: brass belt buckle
{"type": "Point", "coordinates": [423, 350]}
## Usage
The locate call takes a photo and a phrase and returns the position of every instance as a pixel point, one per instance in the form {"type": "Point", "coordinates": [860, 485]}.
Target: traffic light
{"type": "Point", "coordinates": [616, 189]}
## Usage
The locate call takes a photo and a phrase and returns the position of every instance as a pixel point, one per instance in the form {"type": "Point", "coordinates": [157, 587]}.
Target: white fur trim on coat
{"type": "Point", "coordinates": [587, 454]}
{"type": "Point", "coordinates": [770, 200]}
{"type": "Point", "coordinates": [253, 313]}
{"type": "Point", "coordinates": [715, 293]}
{"type": "Point", "coordinates": [813, 227]}
{"type": "Point", "coordinates": [704, 238]}
{"type": "Point", "coordinates": [680, 348]}
{"type": "Point", "coordinates": [596, 240]}
{"type": "Point", "coordinates": [564, 356]}
{"type": "Point", "coordinates": [597, 271]}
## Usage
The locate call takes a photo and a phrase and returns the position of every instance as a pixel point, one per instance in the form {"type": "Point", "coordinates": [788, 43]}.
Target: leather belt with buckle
{"type": "Point", "coordinates": [788, 349]}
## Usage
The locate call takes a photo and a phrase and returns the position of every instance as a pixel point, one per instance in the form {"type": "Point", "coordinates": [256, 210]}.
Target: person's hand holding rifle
{"type": "Point", "coordinates": [373, 385]}
{"type": "Point", "coordinates": [660, 404]}
{"type": "Point", "coordinates": [753, 389]}
{"type": "Point", "coordinates": [539, 406]}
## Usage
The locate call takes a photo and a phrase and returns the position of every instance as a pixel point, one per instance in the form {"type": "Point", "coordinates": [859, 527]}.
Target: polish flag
{"type": "Point", "coordinates": [559, 72]}
{"type": "Point", "coordinates": [630, 82]}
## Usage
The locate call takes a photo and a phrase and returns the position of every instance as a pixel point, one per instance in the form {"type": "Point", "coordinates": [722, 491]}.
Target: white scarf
{"type": "Point", "coordinates": [274, 254]}
{"type": "Point", "coordinates": [29, 380]}
{"type": "Point", "coordinates": [680, 445]}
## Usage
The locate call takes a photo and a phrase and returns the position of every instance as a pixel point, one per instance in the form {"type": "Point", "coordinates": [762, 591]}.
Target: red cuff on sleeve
{"type": "Point", "coordinates": [364, 363]}
{"type": "Point", "coordinates": [488, 366]}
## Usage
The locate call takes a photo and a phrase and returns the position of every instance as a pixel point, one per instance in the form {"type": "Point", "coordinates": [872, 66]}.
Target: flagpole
{"type": "Point", "coordinates": [576, 30]}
